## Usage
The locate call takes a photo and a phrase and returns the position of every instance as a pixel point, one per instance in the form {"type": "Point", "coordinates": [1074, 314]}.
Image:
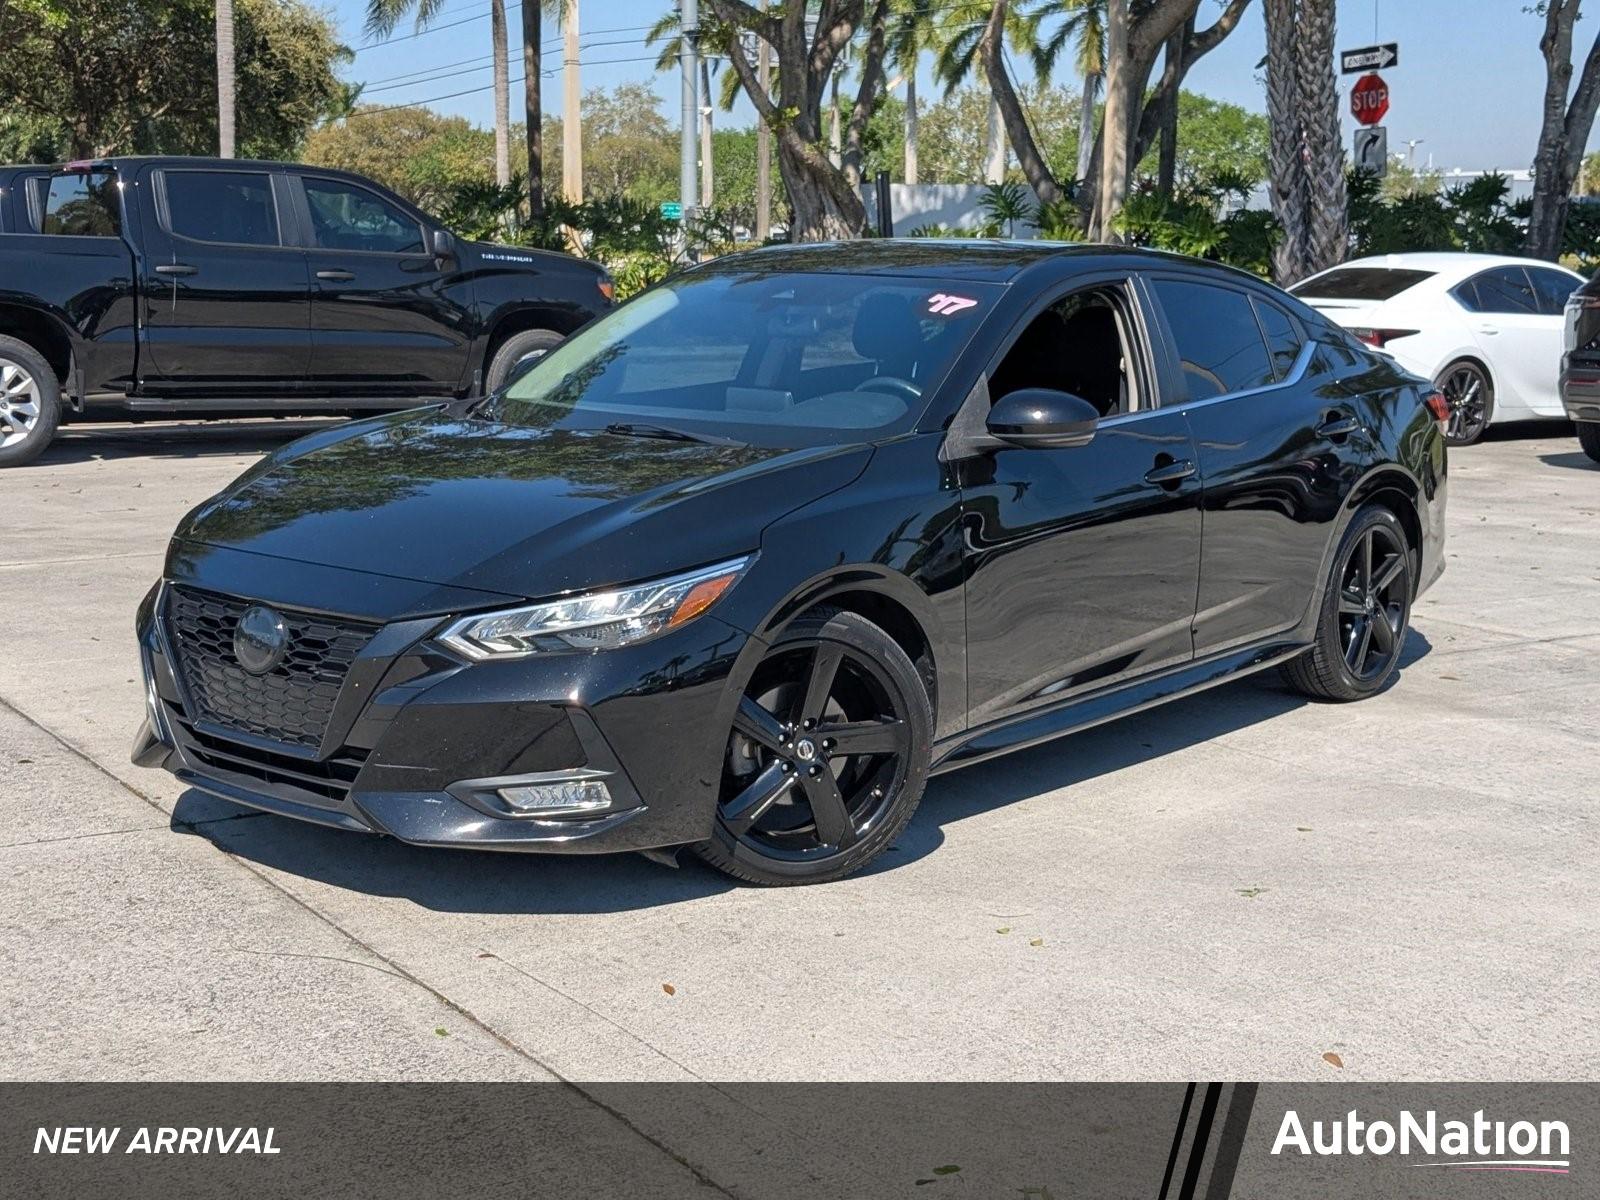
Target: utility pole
{"type": "Point", "coordinates": [571, 107]}
{"type": "Point", "coordinates": [689, 116]}
{"type": "Point", "coordinates": [763, 145]}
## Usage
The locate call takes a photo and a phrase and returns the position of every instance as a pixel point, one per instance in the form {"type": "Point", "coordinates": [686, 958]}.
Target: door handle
{"type": "Point", "coordinates": [1490, 329]}
{"type": "Point", "coordinates": [1170, 472]}
{"type": "Point", "coordinates": [336, 275]}
{"type": "Point", "coordinates": [1338, 426]}
{"type": "Point", "coordinates": [175, 269]}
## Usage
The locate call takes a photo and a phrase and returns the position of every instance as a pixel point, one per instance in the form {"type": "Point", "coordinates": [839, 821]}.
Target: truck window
{"type": "Point", "coordinates": [221, 206]}
{"type": "Point", "coordinates": [347, 217]}
{"type": "Point", "coordinates": [85, 205]}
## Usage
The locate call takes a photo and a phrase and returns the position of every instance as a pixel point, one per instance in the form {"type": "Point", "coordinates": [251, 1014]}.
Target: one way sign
{"type": "Point", "coordinates": [1369, 58]}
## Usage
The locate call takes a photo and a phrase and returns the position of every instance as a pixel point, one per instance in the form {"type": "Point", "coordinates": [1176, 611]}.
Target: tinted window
{"type": "Point", "coordinates": [1218, 341]}
{"type": "Point", "coordinates": [774, 359]}
{"type": "Point", "coordinates": [1502, 290]}
{"type": "Point", "coordinates": [1282, 340]}
{"type": "Point", "coordinates": [347, 217]}
{"type": "Point", "coordinates": [1551, 289]}
{"type": "Point", "coordinates": [1360, 283]}
{"type": "Point", "coordinates": [222, 206]}
{"type": "Point", "coordinates": [82, 206]}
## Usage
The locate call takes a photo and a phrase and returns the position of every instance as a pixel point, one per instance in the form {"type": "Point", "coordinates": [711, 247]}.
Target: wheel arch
{"type": "Point", "coordinates": [890, 601]}
{"type": "Point", "coordinates": [510, 322]}
{"type": "Point", "coordinates": [44, 333]}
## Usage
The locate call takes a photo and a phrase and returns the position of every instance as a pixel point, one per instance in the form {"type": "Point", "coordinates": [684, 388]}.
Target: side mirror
{"type": "Point", "coordinates": [522, 366]}
{"type": "Point", "coordinates": [444, 243]}
{"type": "Point", "coordinates": [1043, 419]}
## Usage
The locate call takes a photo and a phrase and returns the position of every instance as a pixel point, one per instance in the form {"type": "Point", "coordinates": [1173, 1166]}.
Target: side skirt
{"type": "Point", "coordinates": [1096, 708]}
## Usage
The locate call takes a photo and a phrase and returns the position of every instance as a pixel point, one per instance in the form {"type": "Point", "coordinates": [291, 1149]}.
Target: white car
{"type": "Point", "coordinates": [1485, 328]}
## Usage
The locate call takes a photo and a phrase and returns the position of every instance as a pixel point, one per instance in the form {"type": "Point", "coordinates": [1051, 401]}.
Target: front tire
{"type": "Point", "coordinates": [827, 758]}
{"type": "Point", "coordinates": [1467, 388]}
{"type": "Point", "coordinates": [1589, 438]}
{"type": "Point", "coordinates": [1365, 613]}
{"type": "Point", "coordinates": [513, 350]}
{"type": "Point", "coordinates": [30, 403]}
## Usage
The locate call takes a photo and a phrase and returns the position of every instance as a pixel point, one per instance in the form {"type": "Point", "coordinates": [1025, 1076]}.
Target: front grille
{"type": "Point", "coordinates": [294, 701]}
{"type": "Point", "coordinates": [324, 782]}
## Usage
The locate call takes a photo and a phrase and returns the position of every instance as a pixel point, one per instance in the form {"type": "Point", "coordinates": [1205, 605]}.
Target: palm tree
{"type": "Point", "coordinates": [1083, 23]}
{"type": "Point", "coordinates": [961, 34]}
{"type": "Point", "coordinates": [911, 31]}
{"type": "Point", "coordinates": [384, 15]}
{"type": "Point", "coordinates": [1305, 155]}
{"type": "Point", "coordinates": [225, 83]}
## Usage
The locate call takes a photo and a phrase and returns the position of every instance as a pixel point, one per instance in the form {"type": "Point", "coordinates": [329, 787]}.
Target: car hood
{"type": "Point", "coordinates": [448, 500]}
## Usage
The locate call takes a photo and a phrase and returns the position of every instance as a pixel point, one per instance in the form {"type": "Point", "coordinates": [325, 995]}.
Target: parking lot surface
{"type": "Point", "coordinates": [1241, 885]}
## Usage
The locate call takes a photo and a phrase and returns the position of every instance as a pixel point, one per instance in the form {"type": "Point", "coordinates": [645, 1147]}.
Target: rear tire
{"type": "Point", "coordinates": [828, 756]}
{"type": "Point", "coordinates": [1366, 610]}
{"type": "Point", "coordinates": [1589, 438]}
{"type": "Point", "coordinates": [513, 350]}
{"type": "Point", "coordinates": [1467, 387]}
{"type": "Point", "coordinates": [30, 403]}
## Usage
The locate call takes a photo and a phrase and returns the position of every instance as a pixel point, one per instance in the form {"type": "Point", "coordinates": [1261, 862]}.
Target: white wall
{"type": "Point", "coordinates": [913, 205]}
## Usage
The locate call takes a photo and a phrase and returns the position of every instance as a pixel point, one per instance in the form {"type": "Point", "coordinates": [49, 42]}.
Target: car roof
{"type": "Point", "coordinates": [1455, 263]}
{"type": "Point", "coordinates": [998, 260]}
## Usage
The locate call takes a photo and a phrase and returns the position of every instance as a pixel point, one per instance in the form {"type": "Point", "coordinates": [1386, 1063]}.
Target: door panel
{"type": "Point", "coordinates": [226, 304]}
{"type": "Point", "coordinates": [1277, 471]}
{"type": "Point", "coordinates": [1081, 573]}
{"type": "Point", "coordinates": [1521, 344]}
{"type": "Point", "coordinates": [1278, 442]}
{"type": "Point", "coordinates": [385, 317]}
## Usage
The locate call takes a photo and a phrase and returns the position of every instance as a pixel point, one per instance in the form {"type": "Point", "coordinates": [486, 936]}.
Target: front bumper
{"type": "Point", "coordinates": [419, 742]}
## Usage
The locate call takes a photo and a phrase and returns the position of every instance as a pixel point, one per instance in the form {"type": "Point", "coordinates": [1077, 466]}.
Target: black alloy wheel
{"type": "Point", "coordinates": [1467, 389]}
{"type": "Point", "coordinates": [827, 757]}
{"type": "Point", "coordinates": [1364, 615]}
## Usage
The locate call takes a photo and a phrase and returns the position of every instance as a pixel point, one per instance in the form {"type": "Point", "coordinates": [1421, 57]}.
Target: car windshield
{"type": "Point", "coordinates": [776, 359]}
{"type": "Point", "coordinates": [1360, 283]}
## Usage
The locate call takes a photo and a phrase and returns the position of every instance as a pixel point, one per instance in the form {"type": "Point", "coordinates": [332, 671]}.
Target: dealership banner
{"type": "Point", "coordinates": [1197, 1141]}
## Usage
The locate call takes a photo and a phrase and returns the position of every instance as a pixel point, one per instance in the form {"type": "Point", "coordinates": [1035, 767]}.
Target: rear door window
{"type": "Point", "coordinates": [1215, 333]}
{"type": "Point", "coordinates": [1283, 340]}
{"type": "Point", "coordinates": [1551, 289]}
{"type": "Point", "coordinates": [83, 205]}
{"type": "Point", "coordinates": [1360, 283]}
{"type": "Point", "coordinates": [1502, 290]}
{"type": "Point", "coordinates": [233, 207]}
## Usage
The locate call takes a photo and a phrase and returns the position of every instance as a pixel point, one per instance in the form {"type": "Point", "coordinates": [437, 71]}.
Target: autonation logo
{"type": "Point", "coordinates": [1476, 1145]}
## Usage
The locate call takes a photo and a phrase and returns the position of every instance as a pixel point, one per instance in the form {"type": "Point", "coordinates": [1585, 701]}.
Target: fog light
{"type": "Point", "coordinates": [563, 798]}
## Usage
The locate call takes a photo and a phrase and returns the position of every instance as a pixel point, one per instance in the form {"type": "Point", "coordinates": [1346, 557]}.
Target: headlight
{"type": "Point", "coordinates": [597, 620]}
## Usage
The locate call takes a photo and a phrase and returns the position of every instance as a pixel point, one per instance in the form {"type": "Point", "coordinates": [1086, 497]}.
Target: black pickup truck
{"type": "Point", "coordinates": [208, 287]}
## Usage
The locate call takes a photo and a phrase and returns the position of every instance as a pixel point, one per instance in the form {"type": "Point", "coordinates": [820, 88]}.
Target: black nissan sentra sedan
{"type": "Point", "coordinates": [741, 564]}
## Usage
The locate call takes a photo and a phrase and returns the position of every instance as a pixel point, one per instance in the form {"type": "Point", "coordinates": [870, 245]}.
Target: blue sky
{"type": "Point", "coordinates": [1469, 83]}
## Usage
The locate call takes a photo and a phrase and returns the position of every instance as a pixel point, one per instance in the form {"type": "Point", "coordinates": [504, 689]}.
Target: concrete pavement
{"type": "Point", "coordinates": [1233, 885]}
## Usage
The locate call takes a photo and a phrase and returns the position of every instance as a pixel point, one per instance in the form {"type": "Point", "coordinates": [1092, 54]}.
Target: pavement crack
{"type": "Point", "coordinates": [354, 962]}
{"type": "Point", "coordinates": [595, 1012]}
{"type": "Point", "coordinates": [78, 837]}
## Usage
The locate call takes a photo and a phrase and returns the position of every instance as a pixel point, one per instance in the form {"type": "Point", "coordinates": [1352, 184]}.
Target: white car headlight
{"type": "Point", "coordinates": [596, 620]}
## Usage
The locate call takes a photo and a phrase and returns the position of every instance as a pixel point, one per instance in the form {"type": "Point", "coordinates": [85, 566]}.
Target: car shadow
{"type": "Point", "coordinates": [466, 881]}
{"type": "Point", "coordinates": [1528, 430]}
{"type": "Point", "coordinates": [1577, 460]}
{"type": "Point", "coordinates": [89, 442]}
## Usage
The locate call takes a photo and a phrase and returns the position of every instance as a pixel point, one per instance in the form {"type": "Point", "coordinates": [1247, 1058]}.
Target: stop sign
{"type": "Point", "coordinates": [1369, 99]}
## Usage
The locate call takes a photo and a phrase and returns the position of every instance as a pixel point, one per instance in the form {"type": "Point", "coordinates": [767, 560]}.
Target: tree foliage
{"type": "Point", "coordinates": [101, 77]}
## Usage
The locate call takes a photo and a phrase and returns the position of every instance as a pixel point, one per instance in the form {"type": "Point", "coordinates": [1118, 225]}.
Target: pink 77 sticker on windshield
{"type": "Point", "coordinates": [947, 306]}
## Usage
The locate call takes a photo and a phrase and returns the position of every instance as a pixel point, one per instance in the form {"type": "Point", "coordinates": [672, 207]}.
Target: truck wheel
{"type": "Point", "coordinates": [1589, 438]}
{"type": "Point", "coordinates": [30, 403]}
{"type": "Point", "coordinates": [513, 350]}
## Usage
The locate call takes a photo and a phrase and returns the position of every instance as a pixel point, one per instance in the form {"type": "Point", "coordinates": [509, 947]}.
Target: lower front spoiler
{"type": "Point", "coordinates": [418, 818]}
